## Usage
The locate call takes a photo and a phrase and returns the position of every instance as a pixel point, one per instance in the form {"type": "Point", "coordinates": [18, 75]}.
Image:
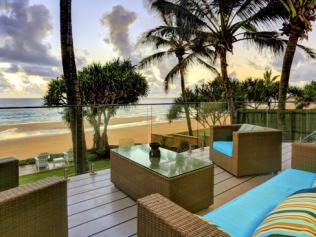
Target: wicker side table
{"type": "Point", "coordinates": [9, 173]}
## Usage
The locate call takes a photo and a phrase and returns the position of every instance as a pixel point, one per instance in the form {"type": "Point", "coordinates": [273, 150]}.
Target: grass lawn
{"type": "Point", "coordinates": [30, 178]}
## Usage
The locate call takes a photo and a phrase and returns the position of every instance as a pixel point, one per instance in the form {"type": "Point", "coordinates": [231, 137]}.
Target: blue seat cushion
{"type": "Point", "coordinates": [224, 147]}
{"type": "Point", "coordinates": [241, 216]}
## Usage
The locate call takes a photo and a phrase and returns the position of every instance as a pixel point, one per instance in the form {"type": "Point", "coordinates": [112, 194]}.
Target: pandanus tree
{"type": "Point", "coordinates": [223, 24]}
{"type": "Point", "coordinates": [301, 14]}
{"type": "Point", "coordinates": [73, 96]}
{"type": "Point", "coordinates": [115, 83]}
{"type": "Point", "coordinates": [102, 87]}
{"type": "Point", "coordinates": [177, 38]}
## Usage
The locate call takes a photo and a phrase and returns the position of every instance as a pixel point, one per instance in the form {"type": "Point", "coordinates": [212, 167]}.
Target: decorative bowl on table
{"type": "Point", "coordinates": [154, 151]}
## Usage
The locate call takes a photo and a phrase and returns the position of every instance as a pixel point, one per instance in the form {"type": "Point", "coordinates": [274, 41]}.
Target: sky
{"type": "Point", "coordinates": [103, 30]}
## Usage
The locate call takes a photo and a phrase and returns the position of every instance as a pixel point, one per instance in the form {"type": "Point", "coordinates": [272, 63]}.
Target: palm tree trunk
{"type": "Point", "coordinates": [95, 121]}
{"type": "Point", "coordinates": [184, 97]}
{"type": "Point", "coordinates": [105, 139]}
{"type": "Point", "coordinates": [285, 78]}
{"type": "Point", "coordinates": [72, 85]}
{"type": "Point", "coordinates": [228, 86]}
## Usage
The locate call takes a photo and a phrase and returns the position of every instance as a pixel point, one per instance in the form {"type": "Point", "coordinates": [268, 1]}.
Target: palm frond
{"type": "Point", "coordinates": [265, 40]}
{"type": "Point", "coordinates": [171, 75]}
{"type": "Point", "coordinates": [273, 13]}
{"type": "Point", "coordinates": [155, 40]}
{"type": "Point", "coordinates": [308, 51]}
{"type": "Point", "coordinates": [155, 58]}
{"type": "Point", "coordinates": [248, 8]}
{"type": "Point", "coordinates": [208, 66]}
{"type": "Point", "coordinates": [165, 8]}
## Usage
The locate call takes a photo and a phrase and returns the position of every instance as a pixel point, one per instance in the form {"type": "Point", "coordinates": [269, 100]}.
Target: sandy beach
{"type": "Point", "coordinates": [30, 146]}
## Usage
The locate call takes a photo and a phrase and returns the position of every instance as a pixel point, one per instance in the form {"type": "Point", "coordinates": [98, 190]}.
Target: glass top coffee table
{"type": "Point", "coordinates": [181, 178]}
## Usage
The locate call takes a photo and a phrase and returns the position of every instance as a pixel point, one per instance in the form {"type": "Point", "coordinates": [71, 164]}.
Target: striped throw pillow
{"type": "Point", "coordinates": [295, 216]}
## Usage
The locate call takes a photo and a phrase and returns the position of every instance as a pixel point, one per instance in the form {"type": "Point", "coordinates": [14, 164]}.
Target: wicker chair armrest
{"type": "Point", "coordinates": [253, 136]}
{"type": "Point", "coordinates": [223, 132]}
{"type": "Point", "coordinates": [37, 209]}
{"type": "Point", "coordinates": [249, 143]}
{"type": "Point", "coordinates": [303, 156]}
{"type": "Point", "coordinates": [158, 216]}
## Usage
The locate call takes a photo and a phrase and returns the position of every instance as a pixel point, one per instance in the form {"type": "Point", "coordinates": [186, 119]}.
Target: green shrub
{"type": "Point", "coordinates": [92, 156]}
{"type": "Point", "coordinates": [27, 162]}
{"type": "Point", "coordinates": [57, 155]}
{"type": "Point", "coordinates": [101, 154]}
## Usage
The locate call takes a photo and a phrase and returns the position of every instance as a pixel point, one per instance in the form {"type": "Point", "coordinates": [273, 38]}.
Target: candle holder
{"type": "Point", "coordinates": [154, 152]}
{"type": "Point", "coordinates": [190, 149]}
{"type": "Point", "coordinates": [66, 176]}
{"type": "Point", "coordinates": [202, 145]}
{"type": "Point", "coordinates": [92, 170]}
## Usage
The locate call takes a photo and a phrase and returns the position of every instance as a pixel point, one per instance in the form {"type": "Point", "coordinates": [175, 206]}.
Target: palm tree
{"type": "Point", "coordinates": [174, 38]}
{"type": "Point", "coordinates": [271, 85]}
{"type": "Point", "coordinates": [268, 78]}
{"type": "Point", "coordinates": [301, 15]}
{"type": "Point", "coordinates": [72, 87]}
{"type": "Point", "coordinates": [224, 23]}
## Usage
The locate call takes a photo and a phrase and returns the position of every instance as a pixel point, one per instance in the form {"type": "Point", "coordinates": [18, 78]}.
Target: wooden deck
{"type": "Point", "coordinates": [97, 208]}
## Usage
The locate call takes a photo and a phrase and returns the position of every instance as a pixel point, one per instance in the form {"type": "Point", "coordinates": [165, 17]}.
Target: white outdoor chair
{"type": "Point", "coordinates": [41, 161]}
{"type": "Point", "coordinates": [69, 156]}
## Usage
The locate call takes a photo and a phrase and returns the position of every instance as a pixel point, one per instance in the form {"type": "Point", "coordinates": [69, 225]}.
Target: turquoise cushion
{"type": "Point", "coordinates": [241, 216]}
{"type": "Point", "coordinates": [224, 147]}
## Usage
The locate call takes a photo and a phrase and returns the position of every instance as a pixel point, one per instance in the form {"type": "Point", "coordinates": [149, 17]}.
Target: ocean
{"type": "Point", "coordinates": [20, 115]}
{"type": "Point", "coordinates": [36, 115]}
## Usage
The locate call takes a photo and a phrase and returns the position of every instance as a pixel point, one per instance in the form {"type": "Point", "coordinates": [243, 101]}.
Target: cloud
{"type": "Point", "coordinates": [33, 70]}
{"type": "Point", "coordinates": [118, 21]}
{"type": "Point", "coordinates": [23, 28]}
{"type": "Point", "coordinates": [4, 84]}
{"type": "Point", "coordinates": [41, 71]}
{"type": "Point", "coordinates": [299, 57]}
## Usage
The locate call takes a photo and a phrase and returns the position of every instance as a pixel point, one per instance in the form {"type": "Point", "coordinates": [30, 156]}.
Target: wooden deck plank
{"type": "Point", "coordinates": [92, 214]}
{"type": "Point", "coordinates": [127, 229]}
{"type": "Point", "coordinates": [228, 184]}
{"type": "Point", "coordinates": [87, 181]}
{"type": "Point", "coordinates": [93, 203]}
{"type": "Point", "coordinates": [104, 223]}
{"type": "Point", "coordinates": [89, 187]}
{"type": "Point", "coordinates": [88, 176]}
{"type": "Point", "coordinates": [91, 194]}
{"type": "Point", "coordinates": [222, 177]}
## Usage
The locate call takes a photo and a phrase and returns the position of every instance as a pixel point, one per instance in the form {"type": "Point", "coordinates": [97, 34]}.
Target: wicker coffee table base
{"type": "Point", "coordinates": [192, 191]}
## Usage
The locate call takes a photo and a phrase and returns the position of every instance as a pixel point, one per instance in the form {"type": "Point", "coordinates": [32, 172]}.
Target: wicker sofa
{"type": "Point", "coordinates": [307, 156]}
{"type": "Point", "coordinates": [157, 216]}
{"type": "Point", "coordinates": [244, 153]}
{"type": "Point", "coordinates": [38, 209]}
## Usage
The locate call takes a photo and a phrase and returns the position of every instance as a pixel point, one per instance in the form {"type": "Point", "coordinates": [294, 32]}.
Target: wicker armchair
{"type": "Point", "coordinates": [304, 156]}
{"type": "Point", "coordinates": [157, 216]}
{"type": "Point", "coordinates": [257, 152]}
{"type": "Point", "coordinates": [9, 173]}
{"type": "Point", "coordinates": [38, 209]}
